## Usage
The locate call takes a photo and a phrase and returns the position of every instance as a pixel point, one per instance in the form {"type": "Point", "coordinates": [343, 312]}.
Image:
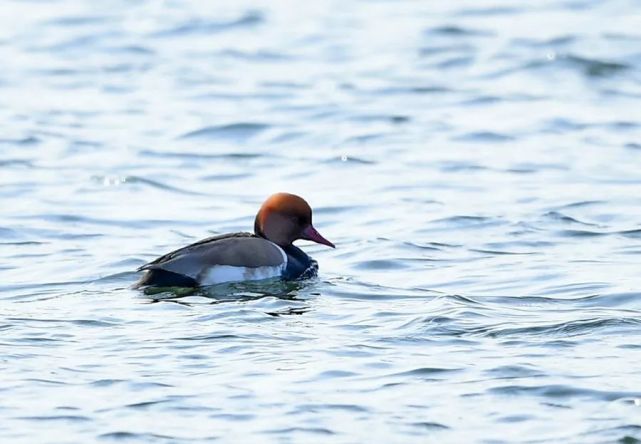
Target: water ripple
{"type": "Point", "coordinates": [237, 132]}
{"type": "Point", "coordinates": [476, 164]}
{"type": "Point", "coordinates": [206, 27]}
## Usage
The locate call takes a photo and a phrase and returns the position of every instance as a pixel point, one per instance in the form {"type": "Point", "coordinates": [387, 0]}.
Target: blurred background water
{"type": "Point", "coordinates": [476, 162]}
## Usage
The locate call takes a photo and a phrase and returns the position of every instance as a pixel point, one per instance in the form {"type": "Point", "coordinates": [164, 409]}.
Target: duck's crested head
{"type": "Point", "coordinates": [284, 218]}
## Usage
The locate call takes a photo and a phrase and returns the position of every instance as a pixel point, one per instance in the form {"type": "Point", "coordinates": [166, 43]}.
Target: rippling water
{"type": "Point", "coordinates": [477, 164]}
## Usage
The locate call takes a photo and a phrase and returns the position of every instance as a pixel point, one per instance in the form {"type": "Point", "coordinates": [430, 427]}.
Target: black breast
{"type": "Point", "coordinates": [299, 264]}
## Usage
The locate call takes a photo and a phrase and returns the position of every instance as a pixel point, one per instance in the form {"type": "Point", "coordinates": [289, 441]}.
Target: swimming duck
{"type": "Point", "coordinates": [235, 257]}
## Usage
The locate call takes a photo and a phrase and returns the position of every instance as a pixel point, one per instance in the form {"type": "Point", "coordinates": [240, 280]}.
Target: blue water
{"type": "Point", "coordinates": [477, 163]}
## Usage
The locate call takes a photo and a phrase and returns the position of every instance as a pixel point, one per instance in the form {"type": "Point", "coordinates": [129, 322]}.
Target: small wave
{"type": "Point", "coordinates": [581, 233]}
{"type": "Point", "coordinates": [635, 233]}
{"type": "Point", "coordinates": [553, 42]}
{"type": "Point", "coordinates": [202, 26]}
{"type": "Point", "coordinates": [393, 118]}
{"type": "Point", "coordinates": [141, 437]}
{"type": "Point", "coordinates": [292, 431]}
{"type": "Point", "coordinates": [565, 329]}
{"type": "Point", "coordinates": [412, 90]}
{"type": "Point", "coordinates": [484, 137]}
{"type": "Point", "coordinates": [137, 50]}
{"type": "Point", "coordinates": [344, 159]}
{"type": "Point", "coordinates": [380, 264]}
{"type": "Point", "coordinates": [630, 434]}
{"type": "Point", "coordinates": [562, 391]}
{"type": "Point", "coordinates": [239, 132]}
{"type": "Point", "coordinates": [192, 155]}
{"type": "Point", "coordinates": [632, 233]}
{"type": "Point", "coordinates": [16, 163]}
{"type": "Point", "coordinates": [337, 407]}
{"type": "Point", "coordinates": [460, 165]}
{"type": "Point", "coordinates": [482, 100]}
{"type": "Point", "coordinates": [457, 31]}
{"type": "Point", "coordinates": [490, 11]}
{"type": "Point", "coordinates": [502, 252]}
{"type": "Point", "coordinates": [66, 418]}
{"type": "Point", "coordinates": [289, 136]}
{"type": "Point", "coordinates": [561, 125]}
{"type": "Point", "coordinates": [514, 372]}
{"type": "Point", "coordinates": [28, 140]}
{"type": "Point", "coordinates": [134, 180]}
{"type": "Point", "coordinates": [463, 221]}
{"type": "Point", "coordinates": [72, 21]}
{"type": "Point", "coordinates": [434, 246]}
{"type": "Point", "coordinates": [81, 322]}
{"type": "Point", "coordinates": [80, 43]}
{"type": "Point", "coordinates": [595, 67]}
{"type": "Point", "coordinates": [580, 204]}
{"type": "Point", "coordinates": [428, 372]}
{"type": "Point", "coordinates": [430, 425]}
{"type": "Point", "coordinates": [333, 374]}
{"type": "Point", "coordinates": [256, 56]}
{"type": "Point", "coordinates": [558, 216]}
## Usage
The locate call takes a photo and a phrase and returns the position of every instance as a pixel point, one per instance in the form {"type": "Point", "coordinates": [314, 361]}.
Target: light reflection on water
{"type": "Point", "coordinates": [476, 164]}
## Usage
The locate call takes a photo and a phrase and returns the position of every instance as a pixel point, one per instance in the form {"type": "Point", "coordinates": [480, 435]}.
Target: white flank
{"type": "Point", "coordinates": [219, 274]}
{"type": "Point", "coordinates": [282, 252]}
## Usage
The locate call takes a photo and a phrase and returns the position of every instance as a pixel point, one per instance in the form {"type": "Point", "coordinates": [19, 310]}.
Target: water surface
{"type": "Point", "coordinates": [476, 163]}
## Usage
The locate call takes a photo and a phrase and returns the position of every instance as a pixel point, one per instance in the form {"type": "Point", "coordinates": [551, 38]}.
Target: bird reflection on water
{"type": "Point", "coordinates": [235, 292]}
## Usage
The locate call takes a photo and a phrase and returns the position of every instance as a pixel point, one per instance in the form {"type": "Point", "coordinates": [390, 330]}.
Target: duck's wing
{"type": "Point", "coordinates": [196, 246]}
{"type": "Point", "coordinates": [187, 266]}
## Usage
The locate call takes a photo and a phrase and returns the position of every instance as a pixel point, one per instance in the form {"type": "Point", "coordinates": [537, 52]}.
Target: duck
{"type": "Point", "coordinates": [266, 253]}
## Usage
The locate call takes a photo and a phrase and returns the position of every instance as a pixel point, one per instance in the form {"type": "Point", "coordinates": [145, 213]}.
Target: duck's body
{"type": "Point", "coordinates": [232, 257]}
{"type": "Point", "coordinates": [237, 257]}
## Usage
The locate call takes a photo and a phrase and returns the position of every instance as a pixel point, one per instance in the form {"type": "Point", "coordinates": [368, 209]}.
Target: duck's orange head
{"type": "Point", "coordinates": [284, 218]}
